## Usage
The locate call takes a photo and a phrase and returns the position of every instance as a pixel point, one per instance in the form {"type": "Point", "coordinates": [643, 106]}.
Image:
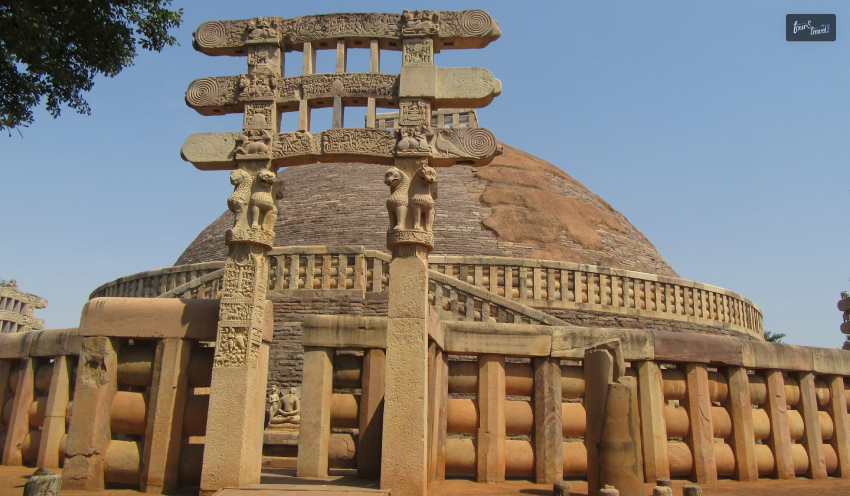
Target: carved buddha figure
{"type": "Point", "coordinates": [288, 409]}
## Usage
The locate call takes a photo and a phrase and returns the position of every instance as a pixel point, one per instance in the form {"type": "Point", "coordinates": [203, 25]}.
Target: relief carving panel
{"type": "Point", "coordinates": [376, 142]}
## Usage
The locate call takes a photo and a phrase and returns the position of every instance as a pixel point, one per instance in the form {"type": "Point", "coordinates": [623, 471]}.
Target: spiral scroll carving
{"type": "Point", "coordinates": [211, 34]}
{"type": "Point", "coordinates": [476, 23]}
{"type": "Point", "coordinates": [204, 92]}
{"type": "Point", "coordinates": [479, 142]}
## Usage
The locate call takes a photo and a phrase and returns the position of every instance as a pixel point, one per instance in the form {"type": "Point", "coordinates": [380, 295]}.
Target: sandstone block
{"type": "Point", "coordinates": [151, 318]}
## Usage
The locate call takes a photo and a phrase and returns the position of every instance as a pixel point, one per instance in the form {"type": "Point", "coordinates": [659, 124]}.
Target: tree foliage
{"type": "Point", "coordinates": [771, 337]}
{"type": "Point", "coordinates": [53, 49]}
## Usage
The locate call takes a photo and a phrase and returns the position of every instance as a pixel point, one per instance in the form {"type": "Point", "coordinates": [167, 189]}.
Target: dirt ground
{"type": "Point", "coordinates": [12, 480]}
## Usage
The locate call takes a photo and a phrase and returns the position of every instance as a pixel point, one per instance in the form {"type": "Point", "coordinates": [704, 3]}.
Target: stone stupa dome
{"type": "Point", "coordinates": [518, 206]}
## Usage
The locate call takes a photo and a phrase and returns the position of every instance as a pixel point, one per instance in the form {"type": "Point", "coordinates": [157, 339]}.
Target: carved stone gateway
{"type": "Point", "coordinates": [414, 149]}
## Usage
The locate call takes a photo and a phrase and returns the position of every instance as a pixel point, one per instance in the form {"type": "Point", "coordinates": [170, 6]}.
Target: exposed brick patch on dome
{"type": "Point", "coordinates": [519, 206]}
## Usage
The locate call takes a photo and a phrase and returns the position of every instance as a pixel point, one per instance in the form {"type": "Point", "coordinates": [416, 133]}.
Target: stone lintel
{"type": "Point", "coordinates": [451, 146]}
{"type": "Point", "coordinates": [151, 318]}
{"type": "Point", "coordinates": [343, 331]}
{"type": "Point", "coordinates": [456, 29]}
{"type": "Point", "coordinates": [475, 338]}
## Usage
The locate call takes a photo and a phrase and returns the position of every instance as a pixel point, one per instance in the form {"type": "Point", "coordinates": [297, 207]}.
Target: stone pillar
{"type": "Point", "coordinates": [490, 438]}
{"type": "Point", "coordinates": [812, 438]}
{"type": "Point", "coordinates": [837, 408]}
{"type": "Point", "coordinates": [701, 434]}
{"type": "Point", "coordinates": [54, 418]}
{"type": "Point", "coordinates": [780, 436]}
{"type": "Point", "coordinates": [548, 426]}
{"type": "Point", "coordinates": [613, 429]}
{"type": "Point", "coordinates": [404, 460]}
{"type": "Point", "coordinates": [308, 67]}
{"type": "Point", "coordinates": [653, 427]}
{"type": "Point", "coordinates": [438, 402]}
{"type": "Point", "coordinates": [314, 433]}
{"type": "Point", "coordinates": [741, 412]}
{"type": "Point", "coordinates": [90, 429]}
{"type": "Point", "coordinates": [374, 68]}
{"type": "Point", "coordinates": [19, 422]}
{"type": "Point", "coordinates": [371, 414]}
{"type": "Point", "coordinates": [164, 431]}
{"type": "Point", "coordinates": [234, 438]}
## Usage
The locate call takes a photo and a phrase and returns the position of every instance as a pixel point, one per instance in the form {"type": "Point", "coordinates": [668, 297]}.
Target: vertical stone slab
{"type": "Point", "coordinates": [837, 409]}
{"type": "Point", "coordinates": [490, 438]}
{"type": "Point", "coordinates": [5, 393]}
{"type": "Point", "coordinates": [741, 412]}
{"type": "Point", "coordinates": [439, 404]}
{"type": "Point", "coordinates": [371, 414]}
{"type": "Point", "coordinates": [404, 460]}
{"type": "Point", "coordinates": [90, 429]}
{"type": "Point", "coordinates": [164, 431]}
{"type": "Point", "coordinates": [652, 425]}
{"type": "Point", "coordinates": [780, 436]}
{"type": "Point", "coordinates": [619, 451]}
{"type": "Point", "coordinates": [19, 422]}
{"type": "Point", "coordinates": [812, 438]}
{"type": "Point", "coordinates": [701, 435]}
{"type": "Point", "coordinates": [598, 374]}
{"type": "Point", "coordinates": [315, 431]}
{"type": "Point", "coordinates": [54, 419]}
{"type": "Point", "coordinates": [548, 424]}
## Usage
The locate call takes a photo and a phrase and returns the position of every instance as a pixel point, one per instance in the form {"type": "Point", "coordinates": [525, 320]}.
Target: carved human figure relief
{"type": "Point", "coordinates": [423, 192]}
{"type": "Point", "coordinates": [398, 200]}
{"type": "Point", "coordinates": [238, 201]}
{"type": "Point", "coordinates": [263, 208]}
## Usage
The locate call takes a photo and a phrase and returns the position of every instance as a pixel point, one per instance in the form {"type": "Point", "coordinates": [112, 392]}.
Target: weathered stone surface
{"type": "Point", "coordinates": [18, 424]}
{"type": "Point", "coordinates": [840, 439]}
{"type": "Point", "coordinates": [812, 437]}
{"type": "Point", "coordinates": [507, 339]}
{"type": "Point", "coordinates": [701, 435]}
{"type": "Point", "coordinates": [548, 421]}
{"type": "Point", "coordinates": [43, 482]}
{"type": "Point", "coordinates": [53, 428]}
{"type": "Point", "coordinates": [778, 356]}
{"type": "Point", "coordinates": [339, 331]}
{"type": "Point", "coordinates": [676, 346]}
{"type": "Point", "coordinates": [55, 342]}
{"type": "Point", "coordinates": [571, 342]}
{"type": "Point", "coordinates": [150, 318]}
{"type": "Point", "coordinates": [653, 426]}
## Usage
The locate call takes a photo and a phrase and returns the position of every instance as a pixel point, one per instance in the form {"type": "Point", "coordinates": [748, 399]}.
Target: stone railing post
{"type": "Point", "coordinates": [653, 427]}
{"type": "Point", "coordinates": [164, 430]}
{"type": "Point", "coordinates": [371, 414]}
{"type": "Point", "coordinates": [780, 435]}
{"type": "Point", "coordinates": [19, 422]}
{"type": "Point", "coordinates": [548, 424]}
{"type": "Point", "coordinates": [54, 417]}
{"type": "Point", "coordinates": [314, 433]}
{"type": "Point", "coordinates": [490, 438]}
{"type": "Point", "coordinates": [837, 408]}
{"type": "Point", "coordinates": [741, 412]}
{"type": "Point", "coordinates": [91, 428]}
{"type": "Point", "coordinates": [812, 439]}
{"type": "Point", "coordinates": [701, 433]}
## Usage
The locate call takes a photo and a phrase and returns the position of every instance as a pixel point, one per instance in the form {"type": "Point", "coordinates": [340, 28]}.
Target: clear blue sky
{"type": "Point", "coordinates": [726, 145]}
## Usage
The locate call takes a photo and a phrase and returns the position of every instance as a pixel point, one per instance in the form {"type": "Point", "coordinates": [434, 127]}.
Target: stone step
{"type": "Point", "coordinates": [301, 490]}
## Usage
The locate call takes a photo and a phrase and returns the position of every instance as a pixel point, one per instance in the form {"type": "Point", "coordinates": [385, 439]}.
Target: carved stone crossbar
{"type": "Point", "coordinates": [455, 87]}
{"type": "Point", "coordinates": [450, 30]}
{"type": "Point", "coordinates": [449, 146]}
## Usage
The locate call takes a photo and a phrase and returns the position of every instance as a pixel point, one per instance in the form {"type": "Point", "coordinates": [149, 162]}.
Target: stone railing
{"type": "Point", "coordinates": [494, 299]}
{"type": "Point", "coordinates": [330, 268]}
{"type": "Point", "coordinates": [155, 283]}
{"type": "Point", "coordinates": [715, 406]}
{"type": "Point", "coordinates": [550, 284]}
